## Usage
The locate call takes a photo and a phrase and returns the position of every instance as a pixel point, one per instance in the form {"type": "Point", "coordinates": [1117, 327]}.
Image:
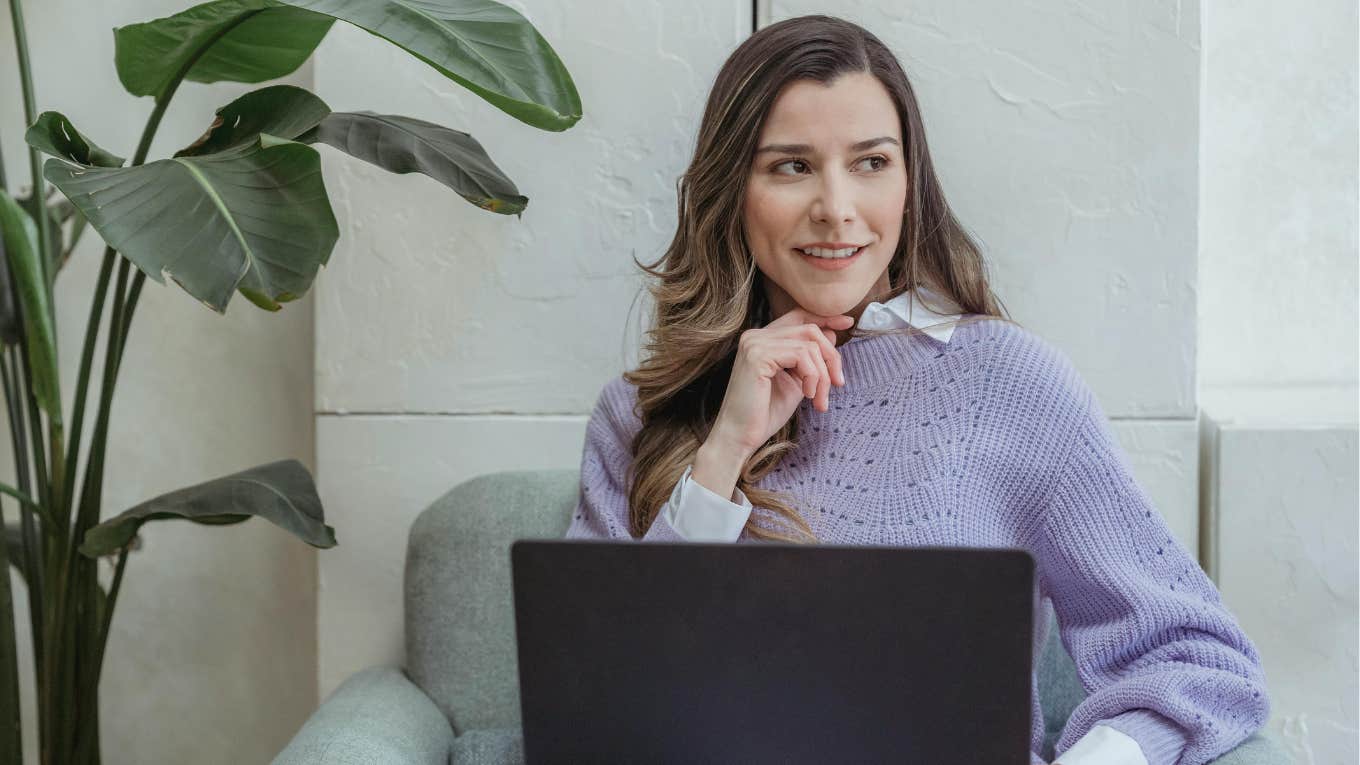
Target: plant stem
{"type": "Point", "coordinates": [12, 745]}
{"type": "Point", "coordinates": [32, 552]}
{"type": "Point", "coordinates": [32, 562]}
{"type": "Point", "coordinates": [13, 384]}
{"type": "Point", "coordinates": [46, 248]}
{"type": "Point", "coordinates": [80, 568]}
{"type": "Point", "coordinates": [83, 379]}
{"type": "Point", "coordinates": [39, 211]}
{"type": "Point", "coordinates": [39, 197]}
{"type": "Point", "coordinates": [108, 611]}
{"type": "Point", "coordinates": [134, 292]}
{"type": "Point", "coordinates": [37, 555]}
{"type": "Point", "coordinates": [11, 730]}
{"type": "Point", "coordinates": [39, 452]}
{"type": "Point", "coordinates": [65, 614]}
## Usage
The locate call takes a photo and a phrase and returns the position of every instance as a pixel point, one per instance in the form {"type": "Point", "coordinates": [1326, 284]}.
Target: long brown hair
{"type": "Point", "coordinates": [708, 289]}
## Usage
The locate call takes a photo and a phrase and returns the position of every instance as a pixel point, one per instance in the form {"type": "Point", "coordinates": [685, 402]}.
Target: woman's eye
{"type": "Point", "coordinates": [883, 161]}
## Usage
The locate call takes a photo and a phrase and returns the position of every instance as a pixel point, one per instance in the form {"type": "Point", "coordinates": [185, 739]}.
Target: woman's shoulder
{"type": "Point", "coordinates": [1026, 368]}
{"type": "Point", "coordinates": [618, 391]}
{"type": "Point", "coordinates": [616, 406]}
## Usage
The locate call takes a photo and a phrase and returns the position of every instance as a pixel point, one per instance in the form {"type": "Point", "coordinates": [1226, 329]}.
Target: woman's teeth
{"type": "Point", "coordinates": [818, 252]}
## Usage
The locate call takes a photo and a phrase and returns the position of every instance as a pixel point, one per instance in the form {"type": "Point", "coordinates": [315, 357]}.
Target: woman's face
{"type": "Point", "coordinates": [828, 168]}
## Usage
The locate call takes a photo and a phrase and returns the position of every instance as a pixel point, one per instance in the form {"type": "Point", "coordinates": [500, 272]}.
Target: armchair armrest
{"type": "Point", "coordinates": [376, 717]}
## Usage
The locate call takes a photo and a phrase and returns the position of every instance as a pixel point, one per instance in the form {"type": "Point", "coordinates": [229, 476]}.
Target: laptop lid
{"type": "Point", "coordinates": [772, 652]}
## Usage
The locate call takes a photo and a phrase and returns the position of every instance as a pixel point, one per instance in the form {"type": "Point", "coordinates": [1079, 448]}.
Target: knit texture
{"type": "Point", "coordinates": [994, 440]}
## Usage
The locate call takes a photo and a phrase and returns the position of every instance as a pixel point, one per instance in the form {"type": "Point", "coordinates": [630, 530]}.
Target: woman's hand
{"type": "Point", "coordinates": [777, 366]}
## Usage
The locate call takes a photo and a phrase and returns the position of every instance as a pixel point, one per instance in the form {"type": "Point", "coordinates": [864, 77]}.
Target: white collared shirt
{"type": "Point", "coordinates": [701, 515]}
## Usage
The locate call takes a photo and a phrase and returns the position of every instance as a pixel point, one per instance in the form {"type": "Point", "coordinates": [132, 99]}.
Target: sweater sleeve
{"type": "Point", "coordinates": [1161, 658]}
{"type": "Point", "coordinates": [602, 499]}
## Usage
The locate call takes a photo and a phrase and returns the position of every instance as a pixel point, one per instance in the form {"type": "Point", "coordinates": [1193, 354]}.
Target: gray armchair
{"type": "Point", "coordinates": [457, 699]}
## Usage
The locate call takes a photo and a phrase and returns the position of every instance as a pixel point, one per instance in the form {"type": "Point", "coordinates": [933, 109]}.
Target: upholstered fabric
{"type": "Point", "coordinates": [489, 746]}
{"type": "Point", "coordinates": [376, 716]}
{"type": "Point", "coordinates": [460, 619]}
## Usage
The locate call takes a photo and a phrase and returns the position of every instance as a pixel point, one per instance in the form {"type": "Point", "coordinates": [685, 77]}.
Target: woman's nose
{"type": "Point", "coordinates": [834, 203]}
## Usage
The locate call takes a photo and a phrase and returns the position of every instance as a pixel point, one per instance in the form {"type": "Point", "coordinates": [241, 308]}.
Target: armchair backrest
{"type": "Point", "coordinates": [459, 610]}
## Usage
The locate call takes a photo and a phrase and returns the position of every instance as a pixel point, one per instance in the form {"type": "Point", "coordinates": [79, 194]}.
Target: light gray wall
{"type": "Point", "coordinates": [1278, 226]}
{"type": "Point", "coordinates": [1278, 329]}
{"type": "Point", "coordinates": [211, 656]}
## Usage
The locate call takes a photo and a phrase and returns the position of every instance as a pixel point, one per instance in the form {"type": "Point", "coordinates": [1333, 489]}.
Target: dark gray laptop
{"type": "Point", "coordinates": [690, 653]}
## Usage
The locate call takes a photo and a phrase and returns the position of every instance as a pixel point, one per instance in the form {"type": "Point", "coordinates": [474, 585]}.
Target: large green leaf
{"type": "Point", "coordinates": [396, 144]}
{"type": "Point", "coordinates": [281, 492]}
{"type": "Point", "coordinates": [254, 218]}
{"type": "Point", "coordinates": [285, 111]}
{"type": "Point", "coordinates": [54, 134]}
{"type": "Point", "coordinates": [482, 45]}
{"type": "Point", "coordinates": [408, 145]}
{"type": "Point", "coordinates": [21, 252]}
{"type": "Point", "coordinates": [9, 317]}
{"type": "Point", "coordinates": [245, 41]}
{"type": "Point", "coordinates": [59, 212]}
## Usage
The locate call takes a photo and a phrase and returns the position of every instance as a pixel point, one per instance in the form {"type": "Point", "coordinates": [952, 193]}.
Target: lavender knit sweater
{"type": "Point", "coordinates": [995, 440]}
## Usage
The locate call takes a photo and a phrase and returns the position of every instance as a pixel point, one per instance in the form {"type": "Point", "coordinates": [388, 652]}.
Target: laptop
{"type": "Point", "coordinates": [772, 652]}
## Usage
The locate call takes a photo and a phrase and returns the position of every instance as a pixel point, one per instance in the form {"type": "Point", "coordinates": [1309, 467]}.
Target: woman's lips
{"type": "Point", "coordinates": [830, 264]}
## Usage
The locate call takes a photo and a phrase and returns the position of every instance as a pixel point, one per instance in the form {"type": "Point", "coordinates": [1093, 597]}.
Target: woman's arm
{"type": "Point", "coordinates": [602, 502]}
{"type": "Point", "coordinates": [1162, 659]}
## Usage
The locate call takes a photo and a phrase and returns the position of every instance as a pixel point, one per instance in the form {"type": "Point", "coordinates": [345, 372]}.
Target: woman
{"type": "Point", "coordinates": [760, 414]}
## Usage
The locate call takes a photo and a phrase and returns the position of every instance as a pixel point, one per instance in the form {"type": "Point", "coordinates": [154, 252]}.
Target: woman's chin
{"type": "Point", "coordinates": [825, 307]}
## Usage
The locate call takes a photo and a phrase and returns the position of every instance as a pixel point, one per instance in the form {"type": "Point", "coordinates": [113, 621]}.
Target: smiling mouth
{"type": "Point", "coordinates": [831, 264]}
{"type": "Point", "coordinates": [850, 255]}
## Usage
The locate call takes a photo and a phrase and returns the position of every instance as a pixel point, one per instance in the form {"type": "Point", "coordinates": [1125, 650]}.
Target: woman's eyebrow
{"type": "Point", "coordinates": [802, 148]}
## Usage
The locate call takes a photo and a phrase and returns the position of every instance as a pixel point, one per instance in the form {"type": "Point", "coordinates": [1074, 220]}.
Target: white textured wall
{"type": "Point", "coordinates": [1278, 335]}
{"type": "Point", "coordinates": [1285, 499]}
{"type": "Point", "coordinates": [211, 657]}
{"type": "Point", "coordinates": [1278, 228]}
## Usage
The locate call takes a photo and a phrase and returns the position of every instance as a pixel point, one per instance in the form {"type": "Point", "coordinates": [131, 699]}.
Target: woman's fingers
{"type": "Point", "coordinates": [823, 394]}
{"type": "Point", "coordinates": [828, 350]}
{"type": "Point", "coordinates": [801, 359]}
{"type": "Point", "coordinates": [806, 359]}
{"type": "Point", "coordinates": [821, 329]}
{"type": "Point", "coordinates": [807, 351]}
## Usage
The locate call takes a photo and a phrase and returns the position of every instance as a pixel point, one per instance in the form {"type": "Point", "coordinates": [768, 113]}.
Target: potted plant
{"type": "Point", "coordinates": [241, 209]}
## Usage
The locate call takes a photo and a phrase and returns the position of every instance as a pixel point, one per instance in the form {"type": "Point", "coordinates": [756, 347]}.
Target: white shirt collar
{"type": "Point", "coordinates": [896, 313]}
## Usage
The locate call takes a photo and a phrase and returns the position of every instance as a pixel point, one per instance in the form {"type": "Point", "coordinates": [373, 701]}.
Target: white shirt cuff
{"type": "Point", "coordinates": [1103, 745]}
{"type": "Point", "coordinates": [699, 515]}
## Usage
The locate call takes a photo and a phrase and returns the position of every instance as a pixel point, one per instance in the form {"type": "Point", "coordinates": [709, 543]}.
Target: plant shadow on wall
{"type": "Point", "coordinates": [243, 208]}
